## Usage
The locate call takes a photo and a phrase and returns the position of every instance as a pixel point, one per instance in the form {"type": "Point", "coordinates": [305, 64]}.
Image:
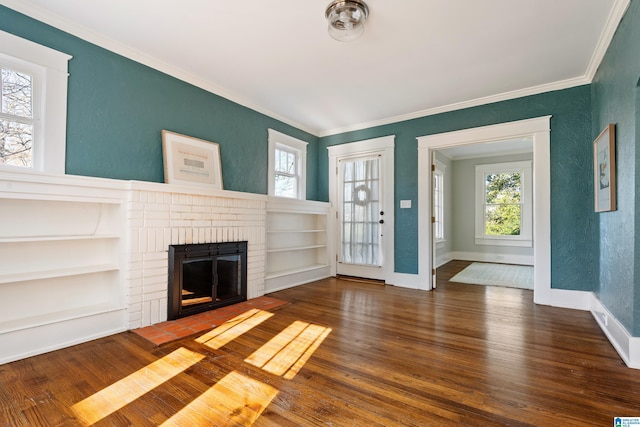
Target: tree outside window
{"type": "Point", "coordinates": [504, 204]}
{"type": "Point", "coordinates": [286, 184]}
{"type": "Point", "coordinates": [287, 166]}
{"type": "Point", "coordinates": [16, 118]}
{"type": "Point", "coordinates": [503, 207]}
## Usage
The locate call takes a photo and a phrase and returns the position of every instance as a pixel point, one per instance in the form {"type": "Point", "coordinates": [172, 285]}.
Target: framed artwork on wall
{"type": "Point", "coordinates": [604, 170]}
{"type": "Point", "coordinates": [191, 161]}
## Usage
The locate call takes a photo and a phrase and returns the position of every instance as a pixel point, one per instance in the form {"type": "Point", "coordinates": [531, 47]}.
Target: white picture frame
{"type": "Point", "coordinates": [604, 170]}
{"type": "Point", "coordinates": [191, 161]}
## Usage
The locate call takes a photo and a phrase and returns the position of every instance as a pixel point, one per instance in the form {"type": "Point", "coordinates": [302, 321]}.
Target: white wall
{"type": "Point", "coordinates": [463, 215]}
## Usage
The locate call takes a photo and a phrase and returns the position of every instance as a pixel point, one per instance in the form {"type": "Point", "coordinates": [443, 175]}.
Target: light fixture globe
{"type": "Point", "coordinates": [346, 19]}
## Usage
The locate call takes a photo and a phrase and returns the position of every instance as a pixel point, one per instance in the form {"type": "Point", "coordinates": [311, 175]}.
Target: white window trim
{"type": "Point", "coordinates": [440, 169]}
{"type": "Point", "coordinates": [525, 238]}
{"type": "Point", "coordinates": [293, 144]}
{"type": "Point", "coordinates": [50, 102]}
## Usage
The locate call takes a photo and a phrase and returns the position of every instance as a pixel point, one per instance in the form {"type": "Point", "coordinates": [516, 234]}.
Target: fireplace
{"type": "Point", "coordinates": [206, 276]}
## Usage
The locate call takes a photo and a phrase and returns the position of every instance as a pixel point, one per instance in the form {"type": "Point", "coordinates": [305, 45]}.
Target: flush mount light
{"type": "Point", "coordinates": [346, 19]}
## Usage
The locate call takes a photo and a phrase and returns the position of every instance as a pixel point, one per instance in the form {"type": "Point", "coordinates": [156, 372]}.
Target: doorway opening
{"type": "Point", "coordinates": [483, 212]}
{"type": "Point", "coordinates": [538, 130]}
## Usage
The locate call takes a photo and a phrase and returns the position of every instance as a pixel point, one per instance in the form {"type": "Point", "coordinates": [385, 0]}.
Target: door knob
{"type": "Point", "coordinates": [381, 221]}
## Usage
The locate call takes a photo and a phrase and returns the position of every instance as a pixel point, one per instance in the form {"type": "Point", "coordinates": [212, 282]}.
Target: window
{"type": "Point", "coordinates": [287, 166]}
{"type": "Point", "coordinates": [503, 204]}
{"type": "Point", "coordinates": [16, 118]}
{"type": "Point", "coordinates": [438, 201]}
{"type": "Point", "coordinates": [33, 105]}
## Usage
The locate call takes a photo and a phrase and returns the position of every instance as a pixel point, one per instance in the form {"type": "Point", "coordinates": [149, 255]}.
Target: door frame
{"type": "Point", "coordinates": [539, 130]}
{"type": "Point", "coordinates": [384, 144]}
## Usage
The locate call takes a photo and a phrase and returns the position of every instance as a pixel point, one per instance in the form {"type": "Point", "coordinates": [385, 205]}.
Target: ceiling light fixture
{"type": "Point", "coordinates": [346, 19]}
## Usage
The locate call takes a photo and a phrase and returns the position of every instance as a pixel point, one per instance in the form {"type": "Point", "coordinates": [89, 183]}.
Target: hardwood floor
{"type": "Point", "coordinates": [343, 353]}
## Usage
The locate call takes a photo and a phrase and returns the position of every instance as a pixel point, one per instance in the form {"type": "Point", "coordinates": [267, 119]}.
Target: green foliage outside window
{"type": "Point", "coordinates": [503, 204]}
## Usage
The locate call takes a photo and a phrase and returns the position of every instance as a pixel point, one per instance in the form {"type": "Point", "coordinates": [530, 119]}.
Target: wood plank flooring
{"type": "Point", "coordinates": [343, 353]}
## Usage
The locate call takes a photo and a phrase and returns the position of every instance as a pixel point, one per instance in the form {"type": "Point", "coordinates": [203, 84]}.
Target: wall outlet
{"type": "Point", "coordinates": [405, 204]}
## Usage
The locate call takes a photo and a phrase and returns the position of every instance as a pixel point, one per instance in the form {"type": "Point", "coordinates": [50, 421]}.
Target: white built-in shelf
{"type": "Point", "coordinates": [307, 268]}
{"type": "Point", "coordinates": [296, 231]}
{"type": "Point", "coordinates": [57, 316]}
{"type": "Point", "coordinates": [62, 272]}
{"type": "Point", "coordinates": [295, 248]}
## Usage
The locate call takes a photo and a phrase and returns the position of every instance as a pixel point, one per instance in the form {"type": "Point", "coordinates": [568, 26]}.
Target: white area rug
{"type": "Point", "coordinates": [482, 273]}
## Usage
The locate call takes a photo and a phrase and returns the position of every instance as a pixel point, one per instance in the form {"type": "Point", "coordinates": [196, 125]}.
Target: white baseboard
{"type": "Point", "coordinates": [23, 343]}
{"type": "Point", "coordinates": [443, 259]}
{"type": "Point", "coordinates": [295, 279]}
{"type": "Point", "coordinates": [490, 257]}
{"type": "Point", "coordinates": [564, 298]}
{"type": "Point", "coordinates": [404, 280]}
{"type": "Point", "coordinates": [627, 346]}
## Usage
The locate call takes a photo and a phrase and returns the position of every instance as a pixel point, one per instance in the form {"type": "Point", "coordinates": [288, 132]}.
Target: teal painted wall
{"type": "Point", "coordinates": [117, 109]}
{"type": "Point", "coordinates": [574, 243]}
{"type": "Point", "coordinates": [615, 100]}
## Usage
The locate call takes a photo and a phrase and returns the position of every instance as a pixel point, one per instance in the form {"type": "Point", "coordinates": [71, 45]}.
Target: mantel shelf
{"type": "Point", "coordinates": [22, 239]}
{"type": "Point", "coordinates": [48, 274]}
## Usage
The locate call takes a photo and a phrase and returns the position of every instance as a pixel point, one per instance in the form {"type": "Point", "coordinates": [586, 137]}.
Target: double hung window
{"type": "Point", "coordinates": [287, 166]}
{"type": "Point", "coordinates": [504, 204]}
{"type": "Point", "coordinates": [33, 106]}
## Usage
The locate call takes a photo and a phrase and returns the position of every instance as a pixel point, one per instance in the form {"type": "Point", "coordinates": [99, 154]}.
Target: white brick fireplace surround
{"type": "Point", "coordinates": [159, 216]}
{"type": "Point", "coordinates": [83, 258]}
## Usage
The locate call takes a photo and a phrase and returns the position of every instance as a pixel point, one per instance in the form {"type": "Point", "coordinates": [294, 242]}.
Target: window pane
{"type": "Point", "coordinates": [285, 162]}
{"type": "Point", "coordinates": [360, 212]}
{"type": "Point", "coordinates": [503, 188]}
{"type": "Point", "coordinates": [286, 186]}
{"type": "Point", "coordinates": [15, 143]}
{"type": "Point", "coordinates": [17, 89]}
{"type": "Point", "coordinates": [502, 219]}
{"type": "Point", "coordinates": [437, 205]}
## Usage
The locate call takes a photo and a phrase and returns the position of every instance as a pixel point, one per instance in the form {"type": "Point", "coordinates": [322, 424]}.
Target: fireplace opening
{"type": "Point", "coordinates": [206, 276]}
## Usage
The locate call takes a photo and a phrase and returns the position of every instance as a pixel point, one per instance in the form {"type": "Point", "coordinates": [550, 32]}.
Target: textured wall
{"type": "Point", "coordinates": [614, 95]}
{"type": "Point", "coordinates": [117, 109]}
{"type": "Point", "coordinates": [574, 242]}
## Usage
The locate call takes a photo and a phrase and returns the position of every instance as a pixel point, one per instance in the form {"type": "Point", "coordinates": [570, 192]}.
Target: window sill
{"type": "Point", "coordinates": [497, 241]}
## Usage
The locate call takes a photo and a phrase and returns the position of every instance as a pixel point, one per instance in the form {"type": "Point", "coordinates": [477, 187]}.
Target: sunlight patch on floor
{"type": "Point", "coordinates": [234, 328]}
{"type": "Point", "coordinates": [112, 398]}
{"type": "Point", "coordinates": [235, 400]}
{"type": "Point", "coordinates": [286, 353]}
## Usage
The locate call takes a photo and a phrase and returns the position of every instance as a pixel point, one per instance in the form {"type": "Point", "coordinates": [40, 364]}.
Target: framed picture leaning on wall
{"type": "Point", "coordinates": [604, 169]}
{"type": "Point", "coordinates": [191, 161]}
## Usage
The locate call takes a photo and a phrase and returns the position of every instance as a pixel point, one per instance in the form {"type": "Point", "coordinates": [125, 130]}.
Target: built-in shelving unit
{"type": "Point", "coordinates": [297, 245]}
{"type": "Point", "coordinates": [61, 250]}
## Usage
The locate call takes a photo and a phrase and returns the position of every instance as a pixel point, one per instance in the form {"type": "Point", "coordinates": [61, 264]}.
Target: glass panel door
{"type": "Point", "coordinates": [361, 216]}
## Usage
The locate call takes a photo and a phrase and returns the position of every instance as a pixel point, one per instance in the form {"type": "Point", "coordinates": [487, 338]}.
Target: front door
{"type": "Point", "coordinates": [360, 211]}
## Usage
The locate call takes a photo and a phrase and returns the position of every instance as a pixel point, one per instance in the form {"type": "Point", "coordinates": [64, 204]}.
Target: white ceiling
{"type": "Point", "coordinates": [489, 149]}
{"type": "Point", "coordinates": [417, 57]}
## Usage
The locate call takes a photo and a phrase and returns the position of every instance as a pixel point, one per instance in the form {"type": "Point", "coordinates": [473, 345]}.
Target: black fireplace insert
{"type": "Point", "coordinates": [206, 276]}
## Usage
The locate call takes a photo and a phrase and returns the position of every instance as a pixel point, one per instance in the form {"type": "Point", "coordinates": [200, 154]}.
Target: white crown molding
{"type": "Point", "coordinates": [615, 16]}
{"type": "Point", "coordinates": [617, 12]}
{"type": "Point", "coordinates": [535, 90]}
{"type": "Point", "coordinates": [98, 39]}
